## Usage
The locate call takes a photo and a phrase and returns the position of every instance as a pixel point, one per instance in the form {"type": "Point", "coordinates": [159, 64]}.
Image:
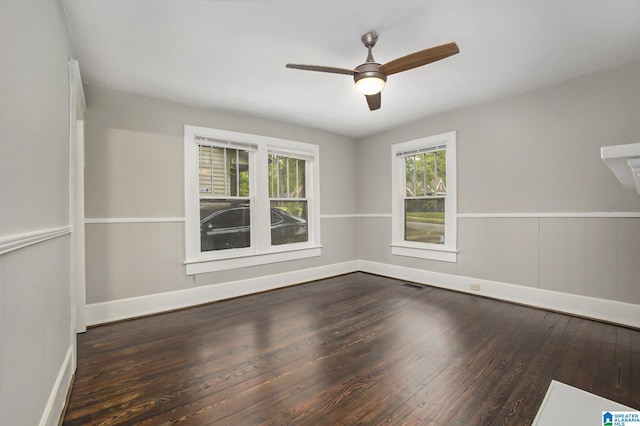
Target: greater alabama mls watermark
{"type": "Point", "coordinates": [621, 418]}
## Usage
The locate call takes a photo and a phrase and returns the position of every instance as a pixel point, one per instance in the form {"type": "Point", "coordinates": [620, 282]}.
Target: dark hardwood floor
{"type": "Point", "coordinates": [354, 349]}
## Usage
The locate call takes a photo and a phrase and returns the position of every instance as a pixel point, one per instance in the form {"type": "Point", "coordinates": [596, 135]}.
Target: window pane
{"type": "Point", "coordinates": [218, 172]}
{"type": "Point", "coordinates": [286, 177]}
{"type": "Point", "coordinates": [421, 174]}
{"type": "Point", "coordinates": [232, 172]}
{"type": "Point", "coordinates": [288, 222]}
{"type": "Point", "coordinates": [425, 174]}
{"type": "Point", "coordinates": [243, 167]}
{"type": "Point", "coordinates": [296, 178]}
{"type": "Point", "coordinates": [441, 158]}
{"type": "Point", "coordinates": [273, 175]}
{"type": "Point", "coordinates": [224, 224]}
{"type": "Point", "coordinates": [430, 173]}
{"type": "Point", "coordinates": [206, 169]}
{"type": "Point", "coordinates": [282, 177]}
{"type": "Point", "coordinates": [223, 172]}
{"type": "Point", "coordinates": [424, 220]}
{"type": "Point", "coordinates": [410, 174]}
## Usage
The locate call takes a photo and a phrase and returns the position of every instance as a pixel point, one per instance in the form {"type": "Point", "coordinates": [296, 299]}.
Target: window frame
{"type": "Point", "coordinates": [446, 252]}
{"type": "Point", "coordinates": [250, 200]}
{"type": "Point", "coordinates": [305, 199]}
{"type": "Point", "coordinates": [261, 251]}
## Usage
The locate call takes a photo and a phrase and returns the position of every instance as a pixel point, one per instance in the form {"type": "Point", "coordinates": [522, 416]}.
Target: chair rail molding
{"type": "Point", "coordinates": [14, 242]}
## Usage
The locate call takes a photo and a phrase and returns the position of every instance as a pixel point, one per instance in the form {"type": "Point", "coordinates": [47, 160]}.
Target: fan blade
{"type": "Point", "coordinates": [417, 59]}
{"type": "Point", "coordinates": [320, 68]}
{"type": "Point", "coordinates": [374, 101]}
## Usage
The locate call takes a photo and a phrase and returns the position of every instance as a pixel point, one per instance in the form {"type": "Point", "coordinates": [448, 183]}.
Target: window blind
{"type": "Point", "coordinates": [202, 140]}
{"type": "Point", "coordinates": [421, 150]}
{"type": "Point", "coordinates": [292, 154]}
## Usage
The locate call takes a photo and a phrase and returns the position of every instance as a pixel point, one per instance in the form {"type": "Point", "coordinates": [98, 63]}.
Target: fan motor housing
{"type": "Point", "coordinates": [369, 69]}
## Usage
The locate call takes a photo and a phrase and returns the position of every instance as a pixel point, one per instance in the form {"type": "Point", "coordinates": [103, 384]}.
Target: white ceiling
{"type": "Point", "coordinates": [231, 55]}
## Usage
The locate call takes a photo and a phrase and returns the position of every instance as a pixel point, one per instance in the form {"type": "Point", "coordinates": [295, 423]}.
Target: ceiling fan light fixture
{"type": "Point", "coordinates": [370, 85]}
{"type": "Point", "coordinates": [368, 78]}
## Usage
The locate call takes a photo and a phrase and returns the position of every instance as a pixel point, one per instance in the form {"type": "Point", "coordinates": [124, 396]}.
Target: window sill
{"type": "Point", "coordinates": [202, 266]}
{"type": "Point", "coordinates": [442, 254]}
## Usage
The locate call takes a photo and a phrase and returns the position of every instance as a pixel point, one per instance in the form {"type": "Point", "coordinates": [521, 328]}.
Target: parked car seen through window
{"type": "Point", "coordinates": [227, 225]}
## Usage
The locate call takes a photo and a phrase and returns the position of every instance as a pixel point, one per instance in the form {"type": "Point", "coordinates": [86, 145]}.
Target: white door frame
{"type": "Point", "coordinates": [77, 107]}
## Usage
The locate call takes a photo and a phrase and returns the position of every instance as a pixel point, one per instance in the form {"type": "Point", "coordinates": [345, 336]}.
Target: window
{"type": "Point", "coordinates": [424, 198]}
{"type": "Point", "coordinates": [249, 200]}
{"type": "Point", "coordinates": [287, 199]}
{"type": "Point", "coordinates": [225, 202]}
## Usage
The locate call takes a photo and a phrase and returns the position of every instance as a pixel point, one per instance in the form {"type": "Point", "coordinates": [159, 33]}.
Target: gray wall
{"type": "Point", "coordinates": [528, 155]}
{"type": "Point", "coordinates": [134, 170]}
{"type": "Point", "coordinates": [34, 186]}
{"type": "Point", "coordinates": [534, 155]}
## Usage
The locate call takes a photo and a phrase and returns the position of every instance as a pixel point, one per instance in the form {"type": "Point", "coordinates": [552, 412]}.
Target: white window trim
{"type": "Point", "coordinates": [261, 251]}
{"type": "Point", "coordinates": [447, 252]}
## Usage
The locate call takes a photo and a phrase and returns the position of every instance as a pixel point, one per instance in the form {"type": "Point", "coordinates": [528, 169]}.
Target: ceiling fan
{"type": "Point", "coordinates": [370, 76]}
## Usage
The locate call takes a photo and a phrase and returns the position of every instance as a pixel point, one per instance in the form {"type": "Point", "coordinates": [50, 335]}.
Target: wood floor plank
{"type": "Point", "coordinates": [353, 349]}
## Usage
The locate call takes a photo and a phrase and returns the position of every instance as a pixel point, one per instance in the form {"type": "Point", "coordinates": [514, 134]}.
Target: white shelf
{"type": "Point", "coordinates": [624, 162]}
{"type": "Point", "coordinates": [566, 405]}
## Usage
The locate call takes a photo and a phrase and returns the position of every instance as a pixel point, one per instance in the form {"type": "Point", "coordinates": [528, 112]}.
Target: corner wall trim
{"type": "Point", "coordinates": [572, 304]}
{"type": "Point", "coordinates": [57, 397]}
{"type": "Point", "coordinates": [99, 313]}
{"type": "Point", "coordinates": [18, 241]}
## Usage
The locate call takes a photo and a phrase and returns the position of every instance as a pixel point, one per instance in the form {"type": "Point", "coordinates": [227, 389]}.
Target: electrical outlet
{"type": "Point", "coordinates": [474, 287]}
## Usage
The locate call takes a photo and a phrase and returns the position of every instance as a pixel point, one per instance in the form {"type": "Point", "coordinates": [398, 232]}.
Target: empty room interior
{"type": "Point", "coordinates": [279, 212]}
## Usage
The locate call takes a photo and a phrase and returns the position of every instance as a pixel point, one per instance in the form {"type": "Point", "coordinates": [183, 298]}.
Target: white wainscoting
{"type": "Point", "coordinates": [591, 307]}
{"type": "Point", "coordinates": [34, 270]}
{"type": "Point", "coordinates": [57, 398]}
{"type": "Point", "coordinates": [588, 307]}
{"type": "Point", "coordinates": [99, 313]}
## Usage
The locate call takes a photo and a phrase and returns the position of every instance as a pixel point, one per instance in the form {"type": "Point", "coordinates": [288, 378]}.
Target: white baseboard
{"type": "Point", "coordinates": [57, 397]}
{"type": "Point", "coordinates": [99, 313]}
{"type": "Point", "coordinates": [583, 306]}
